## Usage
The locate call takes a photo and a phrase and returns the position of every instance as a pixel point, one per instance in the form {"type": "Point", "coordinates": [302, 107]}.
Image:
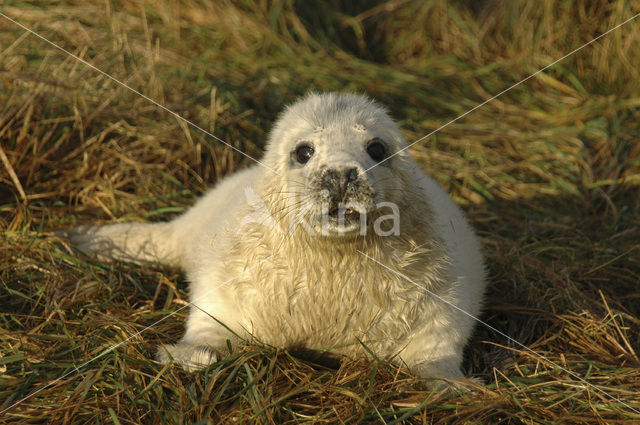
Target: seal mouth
{"type": "Point", "coordinates": [349, 214]}
{"type": "Point", "coordinates": [343, 220]}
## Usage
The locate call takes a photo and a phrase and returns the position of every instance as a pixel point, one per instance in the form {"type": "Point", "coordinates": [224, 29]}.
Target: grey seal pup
{"type": "Point", "coordinates": [341, 241]}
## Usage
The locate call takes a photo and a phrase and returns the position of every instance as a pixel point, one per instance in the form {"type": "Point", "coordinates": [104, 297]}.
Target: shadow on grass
{"type": "Point", "coordinates": [554, 261]}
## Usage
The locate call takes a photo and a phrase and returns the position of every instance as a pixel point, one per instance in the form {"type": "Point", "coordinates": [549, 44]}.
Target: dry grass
{"type": "Point", "coordinates": [549, 174]}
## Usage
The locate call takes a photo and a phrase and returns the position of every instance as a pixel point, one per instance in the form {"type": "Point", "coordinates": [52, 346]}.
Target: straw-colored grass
{"type": "Point", "coordinates": [549, 174]}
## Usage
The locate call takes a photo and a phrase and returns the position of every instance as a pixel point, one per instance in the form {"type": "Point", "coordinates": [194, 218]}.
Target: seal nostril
{"type": "Point", "coordinates": [352, 174]}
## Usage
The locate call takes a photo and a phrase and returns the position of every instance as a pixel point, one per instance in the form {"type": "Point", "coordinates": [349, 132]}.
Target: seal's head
{"type": "Point", "coordinates": [335, 154]}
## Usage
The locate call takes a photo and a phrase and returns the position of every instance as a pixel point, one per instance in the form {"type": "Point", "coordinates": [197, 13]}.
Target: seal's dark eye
{"type": "Point", "coordinates": [303, 153]}
{"type": "Point", "coordinates": [377, 149]}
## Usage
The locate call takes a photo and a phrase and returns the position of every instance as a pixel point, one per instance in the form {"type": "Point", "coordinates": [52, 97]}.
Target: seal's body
{"type": "Point", "coordinates": [343, 241]}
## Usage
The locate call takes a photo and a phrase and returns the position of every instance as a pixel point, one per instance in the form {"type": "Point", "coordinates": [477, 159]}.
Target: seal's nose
{"type": "Point", "coordinates": [351, 174]}
{"type": "Point", "coordinates": [337, 182]}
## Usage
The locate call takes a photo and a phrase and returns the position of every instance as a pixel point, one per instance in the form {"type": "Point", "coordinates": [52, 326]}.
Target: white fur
{"type": "Point", "coordinates": [317, 291]}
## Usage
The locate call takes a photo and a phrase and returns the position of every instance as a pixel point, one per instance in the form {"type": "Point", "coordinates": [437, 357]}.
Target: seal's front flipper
{"type": "Point", "coordinates": [190, 357]}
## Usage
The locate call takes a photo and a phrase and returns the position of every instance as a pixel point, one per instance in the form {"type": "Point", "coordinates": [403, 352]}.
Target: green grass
{"type": "Point", "coordinates": [548, 173]}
